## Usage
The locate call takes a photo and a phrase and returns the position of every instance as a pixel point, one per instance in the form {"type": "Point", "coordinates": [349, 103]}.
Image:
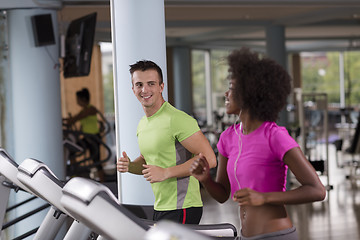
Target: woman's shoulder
{"type": "Point", "coordinates": [275, 132]}
{"type": "Point", "coordinates": [278, 134]}
{"type": "Point", "coordinates": [273, 128]}
{"type": "Point", "coordinates": [91, 109]}
{"type": "Point", "coordinates": [232, 129]}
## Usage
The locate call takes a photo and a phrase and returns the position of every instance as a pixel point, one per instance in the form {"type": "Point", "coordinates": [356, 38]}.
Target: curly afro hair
{"type": "Point", "coordinates": [261, 85]}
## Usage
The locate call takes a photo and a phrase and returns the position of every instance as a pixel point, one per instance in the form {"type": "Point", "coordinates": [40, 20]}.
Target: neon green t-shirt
{"type": "Point", "coordinates": [89, 124]}
{"type": "Point", "coordinates": [159, 138]}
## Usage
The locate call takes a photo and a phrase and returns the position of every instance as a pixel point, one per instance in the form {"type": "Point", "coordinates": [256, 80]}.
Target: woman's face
{"type": "Point", "coordinates": [81, 102]}
{"type": "Point", "coordinates": [230, 104]}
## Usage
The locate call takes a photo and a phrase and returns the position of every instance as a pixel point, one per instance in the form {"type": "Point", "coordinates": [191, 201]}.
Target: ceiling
{"type": "Point", "coordinates": [310, 25]}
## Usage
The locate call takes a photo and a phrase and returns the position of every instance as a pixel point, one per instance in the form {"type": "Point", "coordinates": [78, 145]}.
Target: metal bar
{"type": "Point", "coordinates": [18, 219]}
{"type": "Point", "coordinates": [25, 235]}
{"type": "Point", "coordinates": [21, 203]}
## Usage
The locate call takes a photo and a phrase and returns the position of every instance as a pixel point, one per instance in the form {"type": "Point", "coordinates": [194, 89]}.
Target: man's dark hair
{"type": "Point", "coordinates": [144, 65]}
{"type": "Point", "coordinates": [83, 94]}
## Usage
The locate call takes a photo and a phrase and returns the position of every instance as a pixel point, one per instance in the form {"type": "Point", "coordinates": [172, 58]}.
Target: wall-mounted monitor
{"type": "Point", "coordinates": [79, 42]}
{"type": "Point", "coordinates": [43, 30]}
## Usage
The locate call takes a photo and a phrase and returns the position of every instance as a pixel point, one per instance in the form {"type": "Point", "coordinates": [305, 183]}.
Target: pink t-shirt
{"type": "Point", "coordinates": [260, 165]}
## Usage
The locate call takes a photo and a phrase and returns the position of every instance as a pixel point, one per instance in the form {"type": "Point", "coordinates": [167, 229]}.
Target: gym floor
{"type": "Point", "coordinates": [337, 217]}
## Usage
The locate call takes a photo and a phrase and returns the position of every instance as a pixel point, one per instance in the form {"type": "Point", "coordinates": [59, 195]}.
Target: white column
{"type": "Point", "coordinates": [33, 115]}
{"type": "Point", "coordinates": [138, 32]}
{"type": "Point", "coordinates": [35, 89]}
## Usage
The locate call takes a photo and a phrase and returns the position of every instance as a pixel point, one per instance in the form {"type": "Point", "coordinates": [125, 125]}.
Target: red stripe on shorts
{"type": "Point", "coordinates": [184, 216]}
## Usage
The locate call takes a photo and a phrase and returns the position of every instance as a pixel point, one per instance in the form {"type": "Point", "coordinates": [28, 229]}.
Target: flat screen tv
{"type": "Point", "coordinates": [43, 30]}
{"type": "Point", "coordinates": [79, 42]}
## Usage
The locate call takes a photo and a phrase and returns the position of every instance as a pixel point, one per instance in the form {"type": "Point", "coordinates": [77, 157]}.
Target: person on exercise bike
{"type": "Point", "coordinates": [89, 126]}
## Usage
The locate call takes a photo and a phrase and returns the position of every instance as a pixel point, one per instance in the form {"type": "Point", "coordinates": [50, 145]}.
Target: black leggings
{"type": "Point", "coordinates": [92, 143]}
{"type": "Point", "coordinates": [286, 234]}
{"type": "Point", "coordinates": [184, 216]}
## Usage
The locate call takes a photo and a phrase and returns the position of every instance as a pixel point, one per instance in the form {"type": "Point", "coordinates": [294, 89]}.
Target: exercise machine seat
{"type": "Point", "coordinates": [96, 206]}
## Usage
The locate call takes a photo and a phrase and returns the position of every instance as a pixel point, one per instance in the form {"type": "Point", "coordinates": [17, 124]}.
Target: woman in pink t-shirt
{"type": "Point", "coordinates": [254, 155]}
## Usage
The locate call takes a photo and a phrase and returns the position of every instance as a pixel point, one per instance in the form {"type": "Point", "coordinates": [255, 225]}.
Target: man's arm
{"type": "Point", "coordinates": [196, 144]}
{"type": "Point", "coordinates": [125, 165]}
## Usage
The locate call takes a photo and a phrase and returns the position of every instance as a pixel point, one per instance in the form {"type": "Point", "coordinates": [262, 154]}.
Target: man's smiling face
{"type": "Point", "coordinates": [147, 89]}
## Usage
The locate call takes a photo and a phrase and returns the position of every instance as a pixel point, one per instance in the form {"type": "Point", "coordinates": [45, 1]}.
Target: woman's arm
{"type": "Point", "coordinates": [82, 114]}
{"type": "Point", "coordinates": [311, 188]}
{"type": "Point", "coordinates": [218, 189]}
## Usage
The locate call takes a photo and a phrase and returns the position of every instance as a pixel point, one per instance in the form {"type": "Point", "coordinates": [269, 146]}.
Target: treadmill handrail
{"type": "Point", "coordinates": [84, 190]}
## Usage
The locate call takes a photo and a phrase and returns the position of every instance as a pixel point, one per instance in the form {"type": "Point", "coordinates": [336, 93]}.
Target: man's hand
{"type": "Point", "coordinates": [154, 173]}
{"type": "Point", "coordinates": [123, 163]}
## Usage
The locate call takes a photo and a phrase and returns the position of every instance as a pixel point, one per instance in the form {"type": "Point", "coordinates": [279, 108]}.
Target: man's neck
{"type": "Point", "coordinates": [149, 111]}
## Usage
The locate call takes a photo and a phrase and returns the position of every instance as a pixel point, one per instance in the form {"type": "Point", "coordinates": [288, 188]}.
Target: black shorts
{"type": "Point", "coordinates": [184, 216]}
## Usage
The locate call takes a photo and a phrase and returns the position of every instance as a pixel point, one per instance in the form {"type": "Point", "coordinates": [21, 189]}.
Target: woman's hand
{"type": "Point", "coordinates": [200, 168]}
{"type": "Point", "coordinates": [247, 196]}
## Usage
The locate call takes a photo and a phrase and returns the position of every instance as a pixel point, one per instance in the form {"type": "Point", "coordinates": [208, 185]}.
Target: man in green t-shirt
{"type": "Point", "coordinates": [169, 141]}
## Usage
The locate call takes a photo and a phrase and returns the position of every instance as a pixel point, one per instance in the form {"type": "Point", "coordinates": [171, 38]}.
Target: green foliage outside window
{"type": "Point", "coordinates": [320, 73]}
